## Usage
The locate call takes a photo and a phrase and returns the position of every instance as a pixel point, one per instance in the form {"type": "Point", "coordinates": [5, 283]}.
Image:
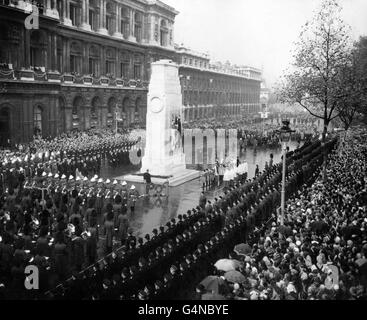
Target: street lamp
{"type": "Point", "coordinates": [285, 135]}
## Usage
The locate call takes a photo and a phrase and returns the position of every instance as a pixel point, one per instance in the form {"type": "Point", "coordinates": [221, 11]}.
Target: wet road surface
{"type": "Point", "coordinates": [162, 206]}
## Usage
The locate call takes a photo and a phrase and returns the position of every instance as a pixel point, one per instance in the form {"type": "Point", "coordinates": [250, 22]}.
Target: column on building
{"type": "Point", "coordinates": [117, 32]}
{"type": "Point", "coordinates": [49, 52]}
{"type": "Point", "coordinates": [51, 9]}
{"type": "Point", "coordinates": [27, 50]}
{"type": "Point", "coordinates": [132, 25]}
{"type": "Point", "coordinates": [170, 36]}
{"type": "Point", "coordinates": [153, 30]}
{"type": "Point", "coordinates": [48, 11]}
{"type": "Point", "coordinates": [66, 13]}
{"type": "Point", "coordinates": [66, 55]}
{"type": "Point", "coordinates": [103, 61]}
{"type": "Point", "coordinates": [54, 51]}
{"type": "Point", "coordinates": [102, 18]}
{"type": "Point", "coordinates": [85, 59]}
{"type": "Point", "coordinates": [85, 16]}
{"type": "Point", "coordinates": [86, 108]}
{"type": "Point", "coordinates": [54, 9]}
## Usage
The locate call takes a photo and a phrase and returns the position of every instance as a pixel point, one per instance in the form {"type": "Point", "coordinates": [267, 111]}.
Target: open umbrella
{"type": "Point", "coordinates": [361, 261]}
{"type": "Point", "coordinates": [242, 249]}
{"type": "Point", "coordinates": [227, 264]}
{"type": "Point", "coordinates": [333, 276]}
{"type": "Point", "coordinates": [234, 276]}
{"type": "Point", "coordinates": [212, 296]}
{"type": "Point", "coordinates": [212, 283]}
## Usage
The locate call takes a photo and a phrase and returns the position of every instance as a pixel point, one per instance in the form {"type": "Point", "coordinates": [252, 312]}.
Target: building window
{"type": "Point", "coordinates": [75, 63]}
{"type": "Point", "coordinates": [125, 22]}
{"type": "Point", "coordinates": [38, 45]}
{"type": "Point", "coordinates": [37, 120]}
{"type": "Point", "coordinates": [73, 14]}
{"type": "Point", "coordinates": [164, 33]}
{"type": "Point", "coordinates": [94, 60]}
{"type": "Point", "coordinates": [59, 60]}
{"type": "Point", "coordinates": [137, 71]}
{"type": "Point", "coordinates": [93, 20]}
{"type": "Point", "coordinates": [110, 67]}
{"type": "Point", "coordinates": [190, 62]}
{"type": "Point", "coordinates": [124, 68]}
{"type": "Point", "coordinates": [185, 60]}
{"type": "Point", "coordinates": [138, 26]}
{"type": "Point", "coordinates": [34, 55]}
{"type": "Point", "coordinates": [109, 24]}
{"type": "Point", "coordinates": [93, 66]}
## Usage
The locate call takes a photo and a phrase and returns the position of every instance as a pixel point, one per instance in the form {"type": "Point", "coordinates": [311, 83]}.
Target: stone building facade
{"type": "Point", "coordinates": [87, 63]}
{"type": "Point", "coordinates": [216, 90]}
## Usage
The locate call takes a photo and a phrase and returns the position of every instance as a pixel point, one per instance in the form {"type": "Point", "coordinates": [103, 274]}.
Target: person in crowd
{"type": "Point", "coordinates": [148, 180]}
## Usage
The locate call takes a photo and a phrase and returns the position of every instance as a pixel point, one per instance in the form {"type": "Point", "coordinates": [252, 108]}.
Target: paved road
{"type": "Point", "coordinates": [177, 200]}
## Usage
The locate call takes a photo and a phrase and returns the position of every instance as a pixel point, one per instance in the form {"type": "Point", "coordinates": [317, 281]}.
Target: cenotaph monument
{"type": "Point", "coordinates": [163, 155]}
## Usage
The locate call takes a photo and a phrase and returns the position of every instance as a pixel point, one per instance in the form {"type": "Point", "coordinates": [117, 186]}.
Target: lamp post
{"type": "Point", "coordinates": [116, 118]}
{"type": "Point", "coordinates": [285, 135]}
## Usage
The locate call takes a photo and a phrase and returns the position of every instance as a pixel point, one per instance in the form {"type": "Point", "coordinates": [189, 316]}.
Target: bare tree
{"type": "Point", "coordinates": [320, 55]}
{"type": "Point", "coordinates": [353, 85]}
{"type": "Point", "coordinates": [348, 105]}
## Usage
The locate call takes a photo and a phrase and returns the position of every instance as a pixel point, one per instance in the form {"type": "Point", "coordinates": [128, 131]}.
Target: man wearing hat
{"type": "Point", "coordinates": [133, 195]}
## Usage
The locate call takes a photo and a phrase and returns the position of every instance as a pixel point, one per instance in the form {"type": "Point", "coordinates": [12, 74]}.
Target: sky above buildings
{"type": "Point", "coordinates": [259, 33]}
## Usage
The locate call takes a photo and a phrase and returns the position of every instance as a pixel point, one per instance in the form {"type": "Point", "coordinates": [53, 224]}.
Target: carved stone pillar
{"type": "Point", "coordinates": [48, 63]}
{"type": "Point", "coordinates": [54, 9]}
{"type": "Point", "coordinates": [85, 16]}
{"type": "Point", "coordinates": [132, 26]}
{"type": "Point", "coordinates": [85, 58]}
{"type": "Point", "coordinates": [66, 55]}
{"type": "Point", "coordinates": [27, 50]}
{"type": "Point", "coordinates": [153, 30]}
{"type": "Point", "coordinates": [117, 32]}
{"type": "Point", "coordinates": [102, 18]}
{"type": "Point", "coordinates": [66, 13]}
{"type": "Point", "coordinates": [51, 10]}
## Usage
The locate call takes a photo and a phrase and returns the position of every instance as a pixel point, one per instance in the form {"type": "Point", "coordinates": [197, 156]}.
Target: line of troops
{"type": "Point", "coordinates": [104, 191]}
{"type": "Point", "coordinates": [79, 163]}
{"type": "Point", "coordinates": [167, 264]}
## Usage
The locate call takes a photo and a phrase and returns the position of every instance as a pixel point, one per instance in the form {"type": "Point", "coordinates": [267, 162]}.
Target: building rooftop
{"type": "Point", "coordinates": [162, 5]}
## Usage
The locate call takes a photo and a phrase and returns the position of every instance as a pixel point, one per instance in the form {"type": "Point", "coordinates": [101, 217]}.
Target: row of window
{"type": "Point", "coordinates": [75, 17]}
{"type": "Point", "coordinates": [110, 67]}
{"type": "Point", "coordinates": [37, 58]}
{"type": "Point", "coordinates": [194, 62]}
{"type": "Point", "coordinates": [218, 83]}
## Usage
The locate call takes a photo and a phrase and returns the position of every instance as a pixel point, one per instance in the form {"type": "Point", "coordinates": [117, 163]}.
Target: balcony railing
{"type": "Point", "coordinates": [40, 74]}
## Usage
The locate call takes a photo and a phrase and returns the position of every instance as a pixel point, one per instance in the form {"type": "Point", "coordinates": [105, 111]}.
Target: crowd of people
{"type": "Point", "coordinates": [56, 225]}
{"type": "Point", "coordinates": [257, 134]}
{"type": "Point", "coordinates": [154, 267]}
{"type": "Point", "coordinates": [320, 251]}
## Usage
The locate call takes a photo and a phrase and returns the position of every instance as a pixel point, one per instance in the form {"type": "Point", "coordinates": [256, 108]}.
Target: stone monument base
{"type": "Point", "coordinates": [175, 179]}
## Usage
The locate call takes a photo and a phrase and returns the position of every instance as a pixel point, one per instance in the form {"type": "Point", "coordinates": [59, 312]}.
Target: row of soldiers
{"type": "Point", "coordinates": [83, 163]}
{"type": "Point", "coordinates": [242, 208]}
{"type": "Point", "coordinates": [245, 224]}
